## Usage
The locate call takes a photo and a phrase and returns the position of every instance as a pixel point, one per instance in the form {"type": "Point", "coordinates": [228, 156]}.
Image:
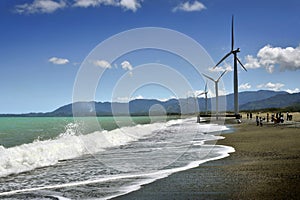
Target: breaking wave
{"type": "Point", "coordinates": [69, 145]}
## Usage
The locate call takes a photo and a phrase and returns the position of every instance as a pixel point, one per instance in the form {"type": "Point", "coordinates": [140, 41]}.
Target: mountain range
{"type": "Point", "coordinates": [249, 100]}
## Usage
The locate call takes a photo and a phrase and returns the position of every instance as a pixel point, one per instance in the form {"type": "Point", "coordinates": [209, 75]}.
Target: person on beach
{"type": "Point", "coordinates": [267, 117]}
{"type": "Point", "coordinates": [261, 121]}
{"type": "Point", "coordinates": [251, 116]}
{"type": "Point", "coordinates": [257, 120]}
{"type": "Point", "coordinates": [273, 117]}
{"type": "Point", "coordinates": [281, 119]}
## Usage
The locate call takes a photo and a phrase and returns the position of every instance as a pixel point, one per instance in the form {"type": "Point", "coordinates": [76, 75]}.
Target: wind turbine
{"type": "Point", "coordinates": [235, 72]}
{"type": "Point", "coordinates": [216, 88]}
{"type": "Point", "coordinates": [205, 93]}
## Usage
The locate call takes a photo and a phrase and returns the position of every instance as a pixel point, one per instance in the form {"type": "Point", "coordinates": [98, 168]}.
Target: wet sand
{"type": "Point", "coordinates": [266, 165]}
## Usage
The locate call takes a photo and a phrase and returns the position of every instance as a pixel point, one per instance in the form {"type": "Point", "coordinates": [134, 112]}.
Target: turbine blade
{"type": "Point", "coordinates": [205, 89]}
{"type": "Point", "coordinates": [241, 63]}
{"type": "Point", "coordinates": [223, 59]}
{"type": "Point", "coordinates": [232, 34]}
{"type": "Point", "coordinates": [209, 77]}
{"type": "Point", "coordinates": [221, 75]}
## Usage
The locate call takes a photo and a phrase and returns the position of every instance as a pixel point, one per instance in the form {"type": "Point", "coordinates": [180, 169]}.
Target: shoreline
{"type": "Point", "coordinates": [266, 165]}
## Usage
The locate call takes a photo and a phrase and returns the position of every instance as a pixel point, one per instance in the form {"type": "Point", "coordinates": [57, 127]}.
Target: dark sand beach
{"type": "Point", "coordinates": [266, 165]}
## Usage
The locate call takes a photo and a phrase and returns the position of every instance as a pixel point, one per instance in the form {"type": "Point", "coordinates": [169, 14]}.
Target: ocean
{"type": "Point", "coordinates": [66, 158]}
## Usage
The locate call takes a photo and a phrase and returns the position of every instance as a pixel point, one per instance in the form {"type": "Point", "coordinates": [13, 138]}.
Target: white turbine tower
{"type": "Point", "coordinates": [217, 90]}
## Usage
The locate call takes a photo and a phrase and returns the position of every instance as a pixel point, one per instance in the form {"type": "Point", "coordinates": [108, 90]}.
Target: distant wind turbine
{"type": "Point", "coordinates": [205, 93]}
{"type": "Point", "coordinates": [235, 73]}
{"type": "Point", "coordinates": [216, 88]}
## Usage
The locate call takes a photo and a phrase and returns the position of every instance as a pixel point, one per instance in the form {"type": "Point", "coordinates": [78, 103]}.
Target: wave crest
{"type": "Point", "coordinates": [67, 145]}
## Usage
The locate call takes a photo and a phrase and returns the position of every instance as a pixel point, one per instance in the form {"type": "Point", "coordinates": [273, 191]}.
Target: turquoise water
{"type": "Point", "coordinates": [15, 131]}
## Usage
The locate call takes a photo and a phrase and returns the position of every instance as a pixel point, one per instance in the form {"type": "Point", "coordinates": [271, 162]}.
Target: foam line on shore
{"type": "Point", "coordinates": [149, 177]}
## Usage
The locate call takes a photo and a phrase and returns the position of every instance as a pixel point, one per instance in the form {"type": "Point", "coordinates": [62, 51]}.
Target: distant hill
{"type": "Point", "coordinates": [252, 96]}
{"type": "Point", "coordinates": [252, 100]}
{"type": "Point", "coordinates": [277, 101]}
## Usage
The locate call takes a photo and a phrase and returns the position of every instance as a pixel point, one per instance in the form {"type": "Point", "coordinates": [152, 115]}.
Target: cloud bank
{"type": "Point", "coordinates": [271, 86]}
{"type": "Point", "coordinates": [50, 6]}
{"type": "Point", "coordinates": [132, 5]}
{"type": "Point", "coordinates": [40, 6]}
{"type": "Point", "coordinates": [269, 57]}
{"type": "Point", "coordinates": [296, 90]}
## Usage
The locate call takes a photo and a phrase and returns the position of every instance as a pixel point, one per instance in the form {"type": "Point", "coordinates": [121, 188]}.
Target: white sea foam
{"type": "Point", "coordinates": [223, 152]}
{"type": "Point", "coordinates": [148, 177]}
{"type": "Point", "coordinates": [68, 145]}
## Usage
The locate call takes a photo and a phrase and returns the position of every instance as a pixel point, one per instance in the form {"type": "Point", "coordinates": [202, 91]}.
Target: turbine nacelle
{"type": "Point", "coordinates": [236, 51]}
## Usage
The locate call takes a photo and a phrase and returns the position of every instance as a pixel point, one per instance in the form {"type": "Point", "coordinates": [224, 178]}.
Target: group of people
{"type": "Point", "coordinates": [279, 118]}
{"type": "Point", "coordinates": [276, 118]}
{"type": "Point", "coordinates": [259, 120]}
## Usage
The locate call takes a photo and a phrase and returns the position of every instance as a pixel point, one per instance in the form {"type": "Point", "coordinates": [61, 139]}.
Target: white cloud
{"type": "Point", "coordinates": [296, 90]}
{"type": "Point", "coordinates": [102, 63]}
{"type": "Point", "coordinates": [50, 6]}
{"type": "Point", "coordinates": [40, 6]}
{"type": "Point", "coordinates": [86, 3]}
{"type": "Point", "coordinates": [127, 99]}
{"type": "Point", "coordinates": [122, 99]}
{"type": "Point", "coordinates": [58, 61]}
{"type": "Point", "coordinates": [126, 65]}
{"type": "Point", "coordinates": [222, 92]}
{"type": "Point", "coordinates": [132, 5]}
{"type": "Point", "coordinates": [251, 62]}
{"type": "Point", "coordinates": [271, 86]}
{"type": "Point", "coordinates": [137, 97]}
{"type": "Point", "coordinates": [189, 7]}
{"type": "Point", "coordinates": [94, 3]}
{"type": "Point", "coordinates": [226, 66]}
{"type": "Point", "coordinates": [269, 57]}
{"type": "Point", "coordinates": [212, 92]}
{"type": "Point", "coordinates": [245, 86]}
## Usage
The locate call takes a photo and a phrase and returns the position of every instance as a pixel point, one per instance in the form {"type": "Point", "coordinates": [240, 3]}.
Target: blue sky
{"type": "Point", "coordinates": [44, 42]}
